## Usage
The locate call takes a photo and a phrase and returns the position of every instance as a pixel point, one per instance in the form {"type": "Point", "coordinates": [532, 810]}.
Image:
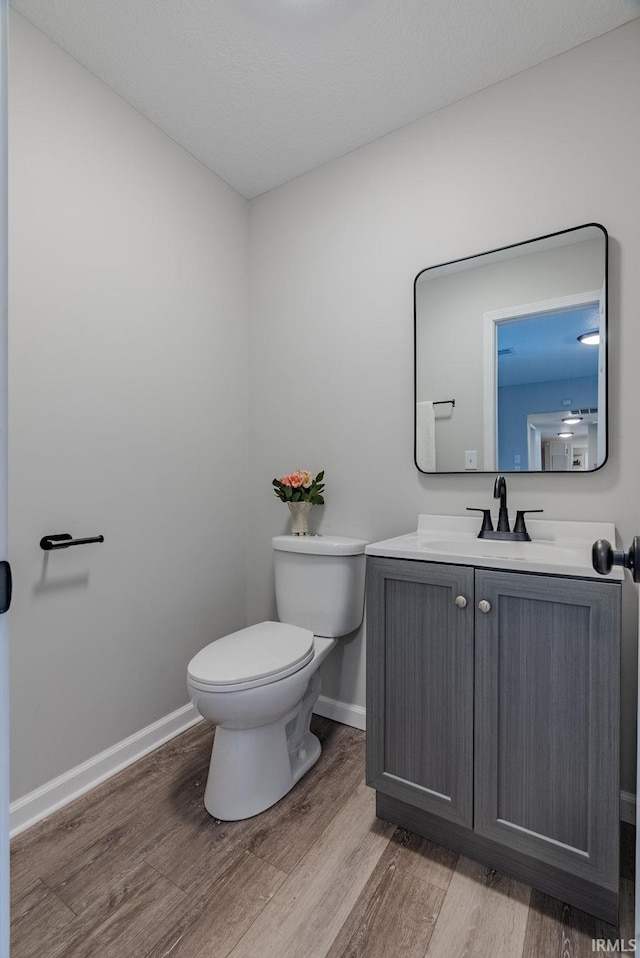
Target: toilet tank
{"type": "Point", "coordinates": [320, 582]}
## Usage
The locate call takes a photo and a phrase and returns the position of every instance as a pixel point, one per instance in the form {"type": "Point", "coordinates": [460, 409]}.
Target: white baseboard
{"type": "Point", "coordinates": [628, 807]}
{"type": "Point", "coordinates": [347, 714]}
{"type": "Point", "coordinates": [40, 803]}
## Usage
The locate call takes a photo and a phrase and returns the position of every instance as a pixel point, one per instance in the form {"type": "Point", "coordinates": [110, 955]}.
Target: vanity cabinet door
{"type": "Point", "coordinates": [547, 720]}
{"type": "Point", "coordinates": [420, 684]}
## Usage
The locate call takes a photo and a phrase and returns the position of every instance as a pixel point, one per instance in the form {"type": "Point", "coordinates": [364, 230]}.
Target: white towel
{"type": "Point", "coordinates": [425, 437]}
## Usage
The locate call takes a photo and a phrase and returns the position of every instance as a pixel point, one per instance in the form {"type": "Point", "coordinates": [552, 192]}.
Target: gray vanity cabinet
{"type": "Point", "coordinates": [494, 728]}
{"type": "Point", "coordinates": [547, 719]}
{"type": "Point", "coordinates": [420, 685]}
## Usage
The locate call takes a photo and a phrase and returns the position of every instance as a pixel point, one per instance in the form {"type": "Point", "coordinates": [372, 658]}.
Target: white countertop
{"type": "Point", "coordinates": [558, 547]}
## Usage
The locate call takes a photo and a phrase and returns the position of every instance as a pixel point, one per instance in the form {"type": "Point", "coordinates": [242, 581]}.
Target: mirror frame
{"type": "Point", "coordinates": [500, 249]}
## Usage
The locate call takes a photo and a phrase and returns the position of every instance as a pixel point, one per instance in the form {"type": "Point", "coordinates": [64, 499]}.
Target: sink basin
{"type": "Point", "coordinates": [558, 547]}
{"type": "Point", "coordinates": [500, 549]}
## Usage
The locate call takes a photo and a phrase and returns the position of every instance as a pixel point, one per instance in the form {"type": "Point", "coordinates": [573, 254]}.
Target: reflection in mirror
{"type": "Point", "coordinates": [505, 379]}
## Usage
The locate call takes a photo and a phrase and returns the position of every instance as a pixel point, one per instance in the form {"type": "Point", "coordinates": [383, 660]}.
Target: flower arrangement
{"type": "Point", "coordinates": [300, 486]}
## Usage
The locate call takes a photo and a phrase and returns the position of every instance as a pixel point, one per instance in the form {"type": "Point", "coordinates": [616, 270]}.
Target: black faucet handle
{"type": "Point", "coordinates": [520, 514]}
{"type": "Point", "coordinates": [487, 524]}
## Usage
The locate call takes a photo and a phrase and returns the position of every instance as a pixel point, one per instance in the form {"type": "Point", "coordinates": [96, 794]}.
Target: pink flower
{"type": "Point", "coordinates": [300, 486]}
{"type": "Point", "coordinates": [301, 477]}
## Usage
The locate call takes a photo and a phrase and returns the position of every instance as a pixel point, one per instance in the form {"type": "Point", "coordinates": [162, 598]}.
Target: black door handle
{"type": "Point", "coordinates": [6, 586]}
{"type": "Point", "coordinates": [604, 557]}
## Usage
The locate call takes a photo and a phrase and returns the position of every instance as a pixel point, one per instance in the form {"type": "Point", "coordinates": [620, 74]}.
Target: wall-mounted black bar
{"type": "Point", "coordinates": [442, 402]}
{"type": "Point", "coordinates": [64, 540]}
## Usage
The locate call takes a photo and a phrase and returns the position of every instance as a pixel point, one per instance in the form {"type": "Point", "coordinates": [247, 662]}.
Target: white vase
{"type": "Point", "coordinates": [299, 516]}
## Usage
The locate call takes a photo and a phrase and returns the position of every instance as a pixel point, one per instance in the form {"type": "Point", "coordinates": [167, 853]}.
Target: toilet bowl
{"type": "Point", "coordinates": [259, 685]}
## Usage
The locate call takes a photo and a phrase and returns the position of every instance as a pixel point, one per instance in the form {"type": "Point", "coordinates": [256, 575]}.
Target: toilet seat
{"type": "Point", "coordinates": [257, 655]}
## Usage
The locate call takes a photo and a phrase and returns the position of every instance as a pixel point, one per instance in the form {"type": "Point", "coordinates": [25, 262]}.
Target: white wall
{"type": "Point", "coordinates": [128, 412]}
{"type": "Point", "coordinates": [333, 258]}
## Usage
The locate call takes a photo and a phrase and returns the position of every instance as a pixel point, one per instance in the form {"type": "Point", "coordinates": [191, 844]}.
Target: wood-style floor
{"type": "Point", "coordinates": [138, 868]}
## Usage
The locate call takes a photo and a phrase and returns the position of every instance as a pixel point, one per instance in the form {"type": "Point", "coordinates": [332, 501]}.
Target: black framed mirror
{"type": "Point", "coordinates": [511, 358]}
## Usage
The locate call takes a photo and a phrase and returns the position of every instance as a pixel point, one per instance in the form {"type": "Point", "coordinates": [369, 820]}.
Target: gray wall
{"type": "Point", "coordinates": [128, 341]}
{"type": "Point", "coordinates": [129, 281]}
{"type": "Point", "coordinates": [333, 258]}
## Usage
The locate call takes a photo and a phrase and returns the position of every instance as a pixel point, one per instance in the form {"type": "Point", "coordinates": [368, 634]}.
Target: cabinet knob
{"type": "Point", "coordinates": [484, 606]}
{"type": "Point", "coordinates": [461, 602]}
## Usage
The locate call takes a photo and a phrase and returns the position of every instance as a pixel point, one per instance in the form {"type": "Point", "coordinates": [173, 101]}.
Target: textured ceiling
{"type": "Point", "coordinates": [263, 90]}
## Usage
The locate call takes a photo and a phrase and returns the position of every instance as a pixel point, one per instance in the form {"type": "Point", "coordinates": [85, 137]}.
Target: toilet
{"type": "Point", "coordinates": [258, 686]}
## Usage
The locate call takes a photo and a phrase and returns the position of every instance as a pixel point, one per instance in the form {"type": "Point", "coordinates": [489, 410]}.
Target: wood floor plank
{"type": "Point", "coordinates": [140, 915]}
{"type": "Point", "coordinates": [484, 913]}
{"type": "Point", "coordinates": [194, 849]}
{"type": "Point", "coordinates": [95, 892]}
{"type": "Point", "coordinates": [557, 930]}
{"type": "Point", "coordinates": [139, 792]}
{"type": "Point", "coordinates": [213, 924]}
{"type": "Point", "coordinates": [21, 888]}
{"type": "Point", "coordinates": [95, 873]}
{"type": "Point", "coordinates": [310, 907]}
{"type": "Point", "coordinates": [41, 924]}
{"type": "Point", "coordinates": [22, 879]}
{"type": "Point", "coordinates": [424, 859]}
{"type": "Point", "coordinates": [396, 911]}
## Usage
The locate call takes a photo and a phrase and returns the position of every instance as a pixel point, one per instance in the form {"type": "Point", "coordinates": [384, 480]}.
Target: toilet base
{"type": "Point", "coordinates": [251, 769]}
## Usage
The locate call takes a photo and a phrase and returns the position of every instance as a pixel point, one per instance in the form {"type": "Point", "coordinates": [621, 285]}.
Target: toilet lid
{"type": "Point", "coordinates": [257, 655]}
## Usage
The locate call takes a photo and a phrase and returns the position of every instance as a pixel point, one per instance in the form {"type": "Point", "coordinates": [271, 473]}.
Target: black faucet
{"type": "Point", "coordinates": [500, 492]}
{"type": "Point", "coordinates": [519, 533]}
